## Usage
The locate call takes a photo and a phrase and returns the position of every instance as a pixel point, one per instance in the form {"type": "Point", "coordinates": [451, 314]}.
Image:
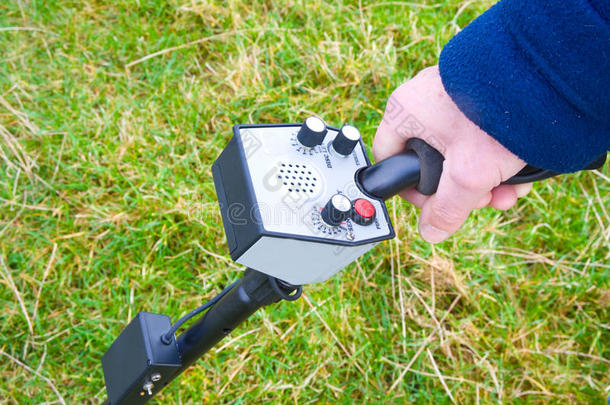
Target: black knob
{"type": "Point", "coordinates": [312, 132]}
{"type": "Point", "coordinates": [336, 210]}
{"type": "Point", "coordinates": [346, 140]}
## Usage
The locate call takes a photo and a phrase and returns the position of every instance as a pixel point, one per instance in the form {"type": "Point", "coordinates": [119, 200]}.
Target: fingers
{"type": "Point", "coordinates": [523, 189]}
{"type": "Point", "coordinates": [505, 196]}
{"type": "Point", "coordinates": [475, 163]}
{"type": "Point", "coordinates": [444, 212]}
{"type": "Point", "coordinates": [414, 197]}
{"type": "Point", "coordinates": [405, 114]}
{"type": "Point", "coordinates": [387, 142]}
{"type": "Point", "coordinates": [485, 200]}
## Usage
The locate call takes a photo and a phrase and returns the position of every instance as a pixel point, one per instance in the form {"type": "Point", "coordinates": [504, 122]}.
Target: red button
{"type": "Point", "coordinates": [364, 208]}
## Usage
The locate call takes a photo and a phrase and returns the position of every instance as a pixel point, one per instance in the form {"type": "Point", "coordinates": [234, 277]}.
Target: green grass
{"type": "Point", "coordinates": [107, 208]}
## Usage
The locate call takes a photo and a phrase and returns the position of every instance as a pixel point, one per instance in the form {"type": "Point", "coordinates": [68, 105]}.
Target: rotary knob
{"type": "Point", "coordinates": [336, 210]}
{"type": "Point", "coordinates": [312, 132]}
{"type": "Point", "coordinates": [346, 140]}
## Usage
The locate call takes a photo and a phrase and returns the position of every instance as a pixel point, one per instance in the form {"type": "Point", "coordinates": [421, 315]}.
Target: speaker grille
{"type": "Point", "coordinates": [298, 178]}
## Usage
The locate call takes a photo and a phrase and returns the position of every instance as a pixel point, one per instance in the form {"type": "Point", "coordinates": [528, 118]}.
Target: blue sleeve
{"type": "Point", "coordinates": [535, 75]}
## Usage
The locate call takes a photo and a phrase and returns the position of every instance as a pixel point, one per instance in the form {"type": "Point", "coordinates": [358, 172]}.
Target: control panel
{"type": "Point", "coordinates": [311, 191]}
{"type": "Point", "coordinates": [291, 206]}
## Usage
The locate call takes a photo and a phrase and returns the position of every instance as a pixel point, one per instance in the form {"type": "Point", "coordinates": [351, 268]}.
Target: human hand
{"type": "Point", "coordinates": [475, 163]}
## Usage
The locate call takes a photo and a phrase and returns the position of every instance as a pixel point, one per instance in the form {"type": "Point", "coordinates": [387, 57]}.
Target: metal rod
{"type": "Point", "coordinates": [252, 292]}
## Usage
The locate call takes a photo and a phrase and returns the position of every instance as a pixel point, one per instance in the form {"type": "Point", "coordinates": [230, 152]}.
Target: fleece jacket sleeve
{"type": "Point", "coordinates": [535, 75]}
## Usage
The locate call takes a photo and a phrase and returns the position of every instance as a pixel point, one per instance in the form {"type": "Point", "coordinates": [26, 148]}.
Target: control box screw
{"type": "Point", "coordinates": [148, 386]}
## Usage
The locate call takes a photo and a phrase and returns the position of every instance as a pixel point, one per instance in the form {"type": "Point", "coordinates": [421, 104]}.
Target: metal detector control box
{"type": "Point", "coordinates": [276, 197]}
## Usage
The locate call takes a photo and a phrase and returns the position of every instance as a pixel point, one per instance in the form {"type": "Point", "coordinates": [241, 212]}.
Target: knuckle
{"type": "Point", "coordinates": [471, 175]}
{"type": "Point", "coordinates": [465, 180]}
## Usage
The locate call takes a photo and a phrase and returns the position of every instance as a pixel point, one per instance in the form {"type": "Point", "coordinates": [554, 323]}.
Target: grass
{"type": "Point", "coordinates": [107, 208]}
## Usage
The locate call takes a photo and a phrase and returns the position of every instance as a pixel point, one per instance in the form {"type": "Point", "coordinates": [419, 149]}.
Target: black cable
{"type": "Point", "coordinates": [167, 338]}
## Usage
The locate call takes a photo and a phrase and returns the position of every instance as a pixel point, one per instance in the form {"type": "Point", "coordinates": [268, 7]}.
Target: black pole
{"type": "Point", "coordinates": [168, 358]}
{"type": "Point", "coordinates": [253, 291]}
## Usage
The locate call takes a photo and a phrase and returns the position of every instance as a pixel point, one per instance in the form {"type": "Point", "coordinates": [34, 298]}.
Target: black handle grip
{"type": "Point", "coordinates": [421, 166]}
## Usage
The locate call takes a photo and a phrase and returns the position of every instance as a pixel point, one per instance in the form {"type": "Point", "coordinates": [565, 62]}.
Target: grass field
{"type": "Point", "coordinates": [111, 113]}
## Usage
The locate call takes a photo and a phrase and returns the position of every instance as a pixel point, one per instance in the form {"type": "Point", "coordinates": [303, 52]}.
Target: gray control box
{"type": "Point", "coordinates": [272, 190]}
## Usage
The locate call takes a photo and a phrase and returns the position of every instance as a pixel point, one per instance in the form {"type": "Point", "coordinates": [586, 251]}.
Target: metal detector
{"type": "Point", "coordinates": [299, 202]}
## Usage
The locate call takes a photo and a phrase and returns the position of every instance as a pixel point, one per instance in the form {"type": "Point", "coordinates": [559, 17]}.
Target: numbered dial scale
{"type": "Point", "coordinates": [289, 202]}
